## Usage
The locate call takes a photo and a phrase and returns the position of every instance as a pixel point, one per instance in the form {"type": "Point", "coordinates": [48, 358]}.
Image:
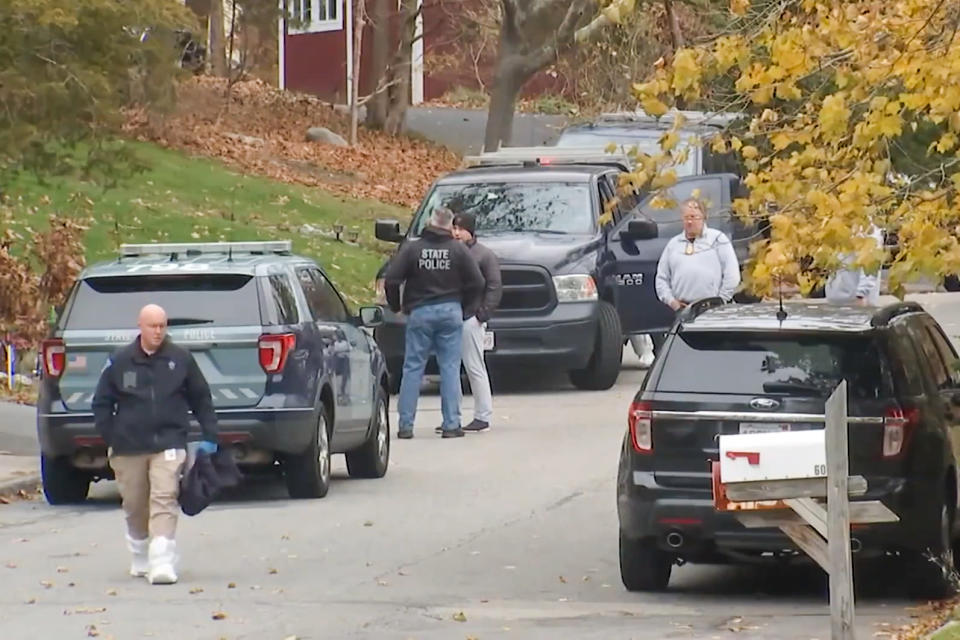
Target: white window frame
{"type": "Point", "coordinates": [315, 25]}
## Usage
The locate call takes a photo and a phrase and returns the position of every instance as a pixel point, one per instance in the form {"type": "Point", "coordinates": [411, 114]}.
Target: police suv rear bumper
{"type": "Point", "coordinates": [563, 338]}
{"type": "Point", "coordinates": [255, 435]}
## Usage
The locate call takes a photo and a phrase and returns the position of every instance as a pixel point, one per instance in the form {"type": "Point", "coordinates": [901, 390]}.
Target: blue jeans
{"type": "Point", "coordinates": [434, 328]}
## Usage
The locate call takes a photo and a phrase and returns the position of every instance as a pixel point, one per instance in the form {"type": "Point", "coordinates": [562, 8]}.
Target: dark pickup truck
{"type": "Point", "coordinates": [573, 286]}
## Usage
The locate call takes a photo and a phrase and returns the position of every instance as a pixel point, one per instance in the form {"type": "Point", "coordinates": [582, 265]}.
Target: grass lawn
{"type": "Point", "coordinates": [186, 199]}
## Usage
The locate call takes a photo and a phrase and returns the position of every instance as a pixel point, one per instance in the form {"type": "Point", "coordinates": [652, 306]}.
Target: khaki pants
{"type": "Point", "coordinates": [150, 485]}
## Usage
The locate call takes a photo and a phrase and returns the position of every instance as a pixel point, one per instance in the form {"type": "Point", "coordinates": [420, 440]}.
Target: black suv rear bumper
{"type": "Point", "coordinates": [278, 431]}
{"type": "Point", "coordinates": [649, 511]}
{"type": "Point", "coordinates": [563, 338]}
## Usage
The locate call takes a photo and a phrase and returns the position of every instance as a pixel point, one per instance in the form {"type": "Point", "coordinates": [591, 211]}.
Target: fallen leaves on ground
{"type": "Point", "coordinates": [262, 130]}
{"type": "Point", "coordinates": [460, 616]}
{"type": "Point", "coordinates": [84, 610]}
{"type": "Point", "coordinates": [929, 618]}
{"type": "Point", "coordinates": [219, 615]}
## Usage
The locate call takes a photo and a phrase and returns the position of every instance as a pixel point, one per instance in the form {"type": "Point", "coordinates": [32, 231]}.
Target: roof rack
{"type": "Point", "coordinates": [690, 312]}
{"type": "Point", "coordinates": [884, 316]}
{"type": "Point", "coordinates": [545, 156]}
{"type": "Point", "coordinates": [714, 119]}
{"type": "Point", "coordinates": [200, 248]}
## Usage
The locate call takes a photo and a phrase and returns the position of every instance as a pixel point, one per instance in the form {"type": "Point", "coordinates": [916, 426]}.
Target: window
{"type": "Point", "coordinates": [280, 305]}
{"type": "Point", "coordinates": [810, 365]}
{"type": "Point", "coordinates": [210, 300]}
{"type": "Point", "coordinates": [947, 353]}
{"type": "Point", "coordinates": [517, 207]}
{"type": "Point", "coordinates": [312, 16]}
{"type": "Point", "coordinates": [608, 195]}
{"type": "Point", "coordinates": [321, 297]}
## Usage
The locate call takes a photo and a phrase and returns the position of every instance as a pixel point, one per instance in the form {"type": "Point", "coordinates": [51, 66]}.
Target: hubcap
{"type": "Point", "coordinates": [323, 449]}
{"type": "Point", "coordinates": [383, 432]}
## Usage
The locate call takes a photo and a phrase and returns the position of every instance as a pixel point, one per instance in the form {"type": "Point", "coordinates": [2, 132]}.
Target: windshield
{"type": "Point", "coordinates": [113, 302]}
{"type": "Point", "coordinates": [547, 207]}
{"type": "Point", "coordinates": [760, 363]}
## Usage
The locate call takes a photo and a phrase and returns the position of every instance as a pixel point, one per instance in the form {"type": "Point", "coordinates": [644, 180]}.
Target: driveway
{"type": "Point", "coordinates": [507, 534]}
{"type": "Point", "coordinates": [461, 130]}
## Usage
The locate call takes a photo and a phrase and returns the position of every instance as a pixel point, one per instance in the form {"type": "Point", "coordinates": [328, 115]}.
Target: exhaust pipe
{"type": "Point", "coordinates": [674, 539]}
{"type": "Point", "coordinates": [855, 545]}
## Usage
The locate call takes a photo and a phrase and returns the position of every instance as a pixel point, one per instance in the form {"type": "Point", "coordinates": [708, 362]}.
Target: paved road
{"type": "Point", "coordinates": [515, 528]}
{"type": "Point", "coordinates": [462, 129]}
{"type": "Point", "coordinates": [18, 430]}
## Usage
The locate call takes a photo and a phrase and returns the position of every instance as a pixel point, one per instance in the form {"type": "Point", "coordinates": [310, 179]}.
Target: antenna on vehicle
{"type": "Point", "coordinates": [781, 312]}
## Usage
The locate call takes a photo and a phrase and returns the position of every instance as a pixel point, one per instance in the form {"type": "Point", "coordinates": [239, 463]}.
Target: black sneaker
{"type": "Point", "coordinates": [453, 433]}
{"type": "Point", "coordinates": [477, 426]}
{"type": "Point", "coordinates": [438, 430]}
{"type": "Point", "coordinates": [405, 435]}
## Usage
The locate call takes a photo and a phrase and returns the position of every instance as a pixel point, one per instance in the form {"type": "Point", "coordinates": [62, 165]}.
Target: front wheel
{"type": "Point", "coordinates": [307, 474]}
{"type": "Point", "coordinates": [604, 367]}
{"type": "Point", "coordinates": [62, 482]}
{"type": "Point", "coordinates": [644, 567]}
{"type": "Point", "coordinates": [373, 457]}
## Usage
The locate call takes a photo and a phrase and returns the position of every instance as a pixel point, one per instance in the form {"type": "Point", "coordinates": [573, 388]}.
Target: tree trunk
{"type": "Point", "coordinates": [217, 45]}
{"type": "Point", "coordinates": [359, 18]}
{"type": "Point", "coordinates": [399, 99]}
{"type": "Point", "coordinates": [676, 35]}
{"type": "Point", "coordinates": [379, 62]}
{"type": "Point", "coordinates": [506, 88]}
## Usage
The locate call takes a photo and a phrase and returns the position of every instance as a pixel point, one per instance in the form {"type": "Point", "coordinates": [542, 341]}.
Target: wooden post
{"type": "Point", "coordinates": [838, 516]}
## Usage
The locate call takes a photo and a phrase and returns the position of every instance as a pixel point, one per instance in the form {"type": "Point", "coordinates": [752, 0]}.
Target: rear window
{"type": "Point", "coordinates": [209, 299]}
{"type": "Point", "coordinates": [760, 363]}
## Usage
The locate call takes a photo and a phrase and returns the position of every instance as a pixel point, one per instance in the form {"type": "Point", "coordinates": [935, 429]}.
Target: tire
{"type": "Point", "coordinates": [643, 567]}
{"type": "Point", "coordinates": [308, 474]}
{"type": "Point", "coordinates": [62, 482]}
{"type": "Point", "coordinates": [604, 367]}
{"type": "Point", "coordinates": [951, 283]}
{"type": "Point", "coordinates": [933, 574]}
{"type": "Point", "coordinates": [372, 459]}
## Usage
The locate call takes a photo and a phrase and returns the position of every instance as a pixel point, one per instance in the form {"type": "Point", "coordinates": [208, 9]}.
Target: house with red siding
{"type": "Point", "coordinates": [316, 55]}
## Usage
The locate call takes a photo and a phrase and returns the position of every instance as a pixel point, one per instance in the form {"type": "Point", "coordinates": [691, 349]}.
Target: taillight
{"type": "Point", "coordinates": [54, 355]}
{"type": "Point", "coordinates": [640, 420]}
{"type": "Point", "coordinates": [274, 350]}
{"type": "Point", "coordinates": [897, 425]}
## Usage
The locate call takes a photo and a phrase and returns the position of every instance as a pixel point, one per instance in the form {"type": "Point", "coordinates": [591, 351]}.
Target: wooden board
{"type": "Point", "coordinates": [810, 542]}
{"type": "Point", "coordinates": [871, 512]}
{"type": "Point", "coordinates": [840, 562]}
{"type": "Point", "coordinates": [783, 489]}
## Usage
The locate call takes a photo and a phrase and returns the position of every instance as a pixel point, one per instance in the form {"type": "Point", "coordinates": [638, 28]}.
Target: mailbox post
{"type": "Point", "coordinates": [779, 480]}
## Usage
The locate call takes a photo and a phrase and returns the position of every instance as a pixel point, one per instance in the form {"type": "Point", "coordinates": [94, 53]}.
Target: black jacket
{"type": "Point", "coordinates": [143, 403]}
{"type": "Point", "coordinates": [435, 268]}
{"type": "Point", "coordinates": [493, 289]}
{"type": "Point", "coordinates": [206, 478]}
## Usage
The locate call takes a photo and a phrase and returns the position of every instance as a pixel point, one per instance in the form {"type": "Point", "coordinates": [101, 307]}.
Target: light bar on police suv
{"type": "Point", "coordinates": [197, 248]}
{"type": "Point", "coordinates": [547, 156]}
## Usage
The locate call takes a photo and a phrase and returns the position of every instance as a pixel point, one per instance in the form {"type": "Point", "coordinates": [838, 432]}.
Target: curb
{"type": "Point", "coordinates": [29, 482]}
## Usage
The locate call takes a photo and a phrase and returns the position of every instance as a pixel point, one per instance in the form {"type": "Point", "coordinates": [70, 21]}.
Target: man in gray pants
{"type": "Point", "coordinates": [475, 323]}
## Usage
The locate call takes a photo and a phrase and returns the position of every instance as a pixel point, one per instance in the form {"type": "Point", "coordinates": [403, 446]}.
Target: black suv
{"type": "Point", "coordinates": [293, 374]}
{"type": "Point", "coordinates": [572, 286]}
{"type": "Point", "coordinates": [728, 369]}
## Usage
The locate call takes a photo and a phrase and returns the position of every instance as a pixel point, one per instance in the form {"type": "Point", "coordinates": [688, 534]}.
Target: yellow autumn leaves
{"type": "Point", "coordinates": [833, 98]}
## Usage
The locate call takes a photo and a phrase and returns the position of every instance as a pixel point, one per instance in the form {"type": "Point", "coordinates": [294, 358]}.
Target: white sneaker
{"type": "Point", "coordinates": [163, 560]}
{"type": "Point", "coordinates": [140, 560]}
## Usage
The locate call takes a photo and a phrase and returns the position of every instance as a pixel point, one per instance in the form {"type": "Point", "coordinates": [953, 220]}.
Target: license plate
{"type": "Point", "coordinates": [761, 427]}
{"type": "Point", "coordinates": [488, 341]}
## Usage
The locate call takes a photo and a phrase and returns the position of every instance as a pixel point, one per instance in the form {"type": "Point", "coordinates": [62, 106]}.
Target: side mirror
{"type": "Point", "coordinates": [640, 229]}
{"type": "Point", "coordinates": [388, 231]}
{"type": "Point", "coordinates": [371, 317]}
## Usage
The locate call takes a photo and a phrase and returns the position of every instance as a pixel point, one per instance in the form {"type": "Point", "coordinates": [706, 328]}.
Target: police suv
{"type": "Point", "coordinates": [293, 373]}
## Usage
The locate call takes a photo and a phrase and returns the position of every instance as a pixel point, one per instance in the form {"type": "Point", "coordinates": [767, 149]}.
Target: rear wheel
{"type": "Point", "coordinates": [604, 367]}
{"type": "Point", "coordinates": [308, 474]}
{"type": "Point", "coordinates": [62, 482]}
{"type": "Point", "coordinates": [932, 574]}
{"type": "Point", "coordinates": [371, 459]}
{"type": "Point", "coordinates": [951, 283]}
{"type": "Point", "coordinates": [643, 567]}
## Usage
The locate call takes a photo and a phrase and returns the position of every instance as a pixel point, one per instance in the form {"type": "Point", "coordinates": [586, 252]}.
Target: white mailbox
{"type": "Point", "coordinates": [782, 455]}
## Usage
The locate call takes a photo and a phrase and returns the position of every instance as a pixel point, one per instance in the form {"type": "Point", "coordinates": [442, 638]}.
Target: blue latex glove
{"type": "Point", "coordinates": [207, 447]}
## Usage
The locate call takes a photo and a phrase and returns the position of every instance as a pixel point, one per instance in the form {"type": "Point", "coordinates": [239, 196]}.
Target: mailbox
{"type": "Point", "coordinates": [782, 455]}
